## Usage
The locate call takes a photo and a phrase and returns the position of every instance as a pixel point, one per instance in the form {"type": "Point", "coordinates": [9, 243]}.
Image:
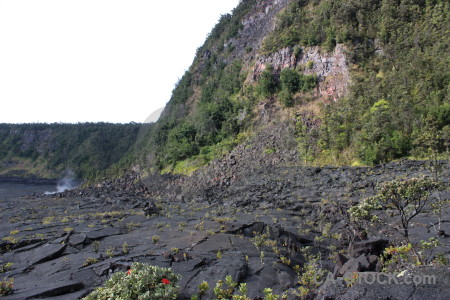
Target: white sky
{"type": "Point", "coordinates": [97, 60]}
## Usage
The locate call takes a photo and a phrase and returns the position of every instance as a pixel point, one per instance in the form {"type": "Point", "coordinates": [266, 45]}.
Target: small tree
{"type": "Point", "coordinates": [290, 80]}
{"type": "Point", "coordinates": [286, 98]}
{"type": "Point", "coordinates": [267, 84]}
{"type": "Point", "coordinates": [407, 198]}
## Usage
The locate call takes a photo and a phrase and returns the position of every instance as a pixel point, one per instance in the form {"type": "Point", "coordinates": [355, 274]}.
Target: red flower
{"type": "Point", "coordinates": [165, 281]}
{"type": "Point", "coordinates": [129, 272]}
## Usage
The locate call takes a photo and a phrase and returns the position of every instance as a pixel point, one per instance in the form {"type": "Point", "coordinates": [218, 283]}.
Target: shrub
{"type": "Point", "coordinates": [312, 273]}
{"type": "Point", "coordinates": [155, 239]}
{"type": "Point", "coordinates": [110, 252]}
{"type": "Point", "coordinates": [142, 281]}
{"type": "Point", "coordinates": [6, 286]}
{"type": "Point", "coordinates": [290, 80]}
{"type": "Point", "coordinates": [286, 98]}
{"type": "Point", "coordinates": [90, 261]}
{"type": "Point", "coordinates": [308, 82]}
{"type": "Point", "coordinates": [125, 248]}
{"type": "Point", "coordinates": [267, 83]}
{"type": "Point", "coordinates": [95, 246]}
{"type": "Point", "coordinates": [6, 267]}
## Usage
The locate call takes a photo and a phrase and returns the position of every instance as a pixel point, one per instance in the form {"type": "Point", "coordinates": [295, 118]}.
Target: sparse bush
{"type": "Point", "coordinates": [90, 261]}
{"type": "Point", "coordinates": [231, 290]}
{"type": "Point", "coordinates": [407, 198]}
{"type": "Point", "coordinates": [311, 274]}
{"type": "Point", "coordinates": [125, 248]}
{"type": "Point", "coordinates": [95, 246]}
{"type": "Point", "coordinates": [6, 267]}
{"type": "Point", "coordinates": [225, 290]}
{"type": "Point", "coordinates": [203, 288]}
{"type": "Point", "coordinates": [308, 82]}
{"type": "Point", "coordinates": [68, 229]}
{"type": "Point", "coordinates": [110, 252]}
{"type": "Point", "coordinates": [155, 239]}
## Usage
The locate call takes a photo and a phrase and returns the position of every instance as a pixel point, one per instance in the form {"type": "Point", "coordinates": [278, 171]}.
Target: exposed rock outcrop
{"type": "Point", "coordinates": [331, 68]}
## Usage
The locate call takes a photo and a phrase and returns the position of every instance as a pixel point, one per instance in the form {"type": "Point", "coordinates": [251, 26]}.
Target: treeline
{"type": "Point", "coordinates": [399, 50]}
{"type": "Point", "coordinates": [88, 149]}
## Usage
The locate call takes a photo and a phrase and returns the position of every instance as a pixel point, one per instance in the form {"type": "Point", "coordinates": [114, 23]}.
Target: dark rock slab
{"type": "Point", "coordinates": [30, 247]}
{"type": "Point", "coordinates": [77, 239]}
{"type": "Point", "coordinates": [61, 240]}
{"type": "Point", "coordinates": [23, 244]}
{"type": "Point", "coordinates": [47, 291]}
{"type": "Point", "coordinates": [232, 263]}
{"type": "Point", "coordinates": [374, 263]}
{"type": "Point", "coordinates": [254, 228]}
{"type": "Point", "coordinates": [72, 296]}
{"type": "Point", "coordinates": [340, 261]}
{"type": "Point", "coordinates": [104, 232]}
{"type": "Point", "coordinates": [187, 266]}
{"type": "Point", "coordinates": [331, 289]}
{"type": "Point", "coordinates": [213, 244]}
{"type": "Point", "coordinates": [87, 277]}
{"type": "Point", "coordinates": [280, 278]}
{"type": "Point", "coordinates": [46, 253]}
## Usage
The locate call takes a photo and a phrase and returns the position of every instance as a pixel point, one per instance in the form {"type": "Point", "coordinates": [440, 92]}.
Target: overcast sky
{"type": "Point", "coordinates": [97, 60]}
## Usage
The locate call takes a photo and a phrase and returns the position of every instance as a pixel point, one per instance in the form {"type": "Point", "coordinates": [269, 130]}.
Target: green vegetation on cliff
{"type": "Point", "coordinates": [397, 106]}
{"type": "Point", "coordinates": [47, 150]}
{"type": "Point", "coordinates": [400, 74]}
{"type": "Point", "coordinates": [207, 110]}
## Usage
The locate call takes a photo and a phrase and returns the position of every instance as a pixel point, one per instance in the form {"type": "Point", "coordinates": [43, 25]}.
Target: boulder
{"type": "Point", "coordinates": [340, 261]}
{"type": "Point", "coordinates": [354, 265]}
{"type": "Point", "coordinates": [77, 239]}
{"type": "Point", "coordinates": [373, 246]}
{"type": "Point", "coordinates": [150, 208]}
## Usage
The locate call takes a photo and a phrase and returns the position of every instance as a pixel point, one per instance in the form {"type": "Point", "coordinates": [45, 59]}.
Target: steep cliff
{"type": "Point", "coordinates": [353, 82]}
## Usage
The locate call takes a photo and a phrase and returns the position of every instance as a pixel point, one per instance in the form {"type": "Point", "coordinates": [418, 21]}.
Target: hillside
{"type": "Point", "coordinates": [49, 150]}
{"type": "Point", "coordinates": [358, 82]}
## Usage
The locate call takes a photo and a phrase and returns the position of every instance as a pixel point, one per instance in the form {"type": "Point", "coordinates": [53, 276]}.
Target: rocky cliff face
{"type": "Point", "coordinates": [255, 27]}
{"type": "Point", "coordinates": [332, 68]}
{"type": "Point", "coordinates": [347, 47]}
